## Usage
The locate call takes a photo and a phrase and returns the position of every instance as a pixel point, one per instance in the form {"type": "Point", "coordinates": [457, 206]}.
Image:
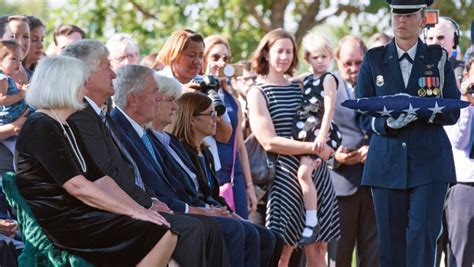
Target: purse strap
{"type": "Point", "coordinates": [234, 152]}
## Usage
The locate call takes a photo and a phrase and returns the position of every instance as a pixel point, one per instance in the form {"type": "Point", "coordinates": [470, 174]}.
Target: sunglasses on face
{"type": "Point", "coordinates": [217, 57]}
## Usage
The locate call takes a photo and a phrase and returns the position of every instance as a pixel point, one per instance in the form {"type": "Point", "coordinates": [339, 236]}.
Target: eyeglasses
{"type": "Point", "coordinates": [351, 63]}
{"type": "Point", "coordinates": [217, 57]}
{"type": "Point", "coordinates": [212, 114]}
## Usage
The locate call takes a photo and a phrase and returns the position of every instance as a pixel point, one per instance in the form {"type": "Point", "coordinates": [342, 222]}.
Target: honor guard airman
{"type": "Point", "coordinates": [410, 163]}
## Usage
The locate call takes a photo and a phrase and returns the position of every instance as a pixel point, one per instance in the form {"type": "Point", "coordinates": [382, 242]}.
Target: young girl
{"type": "Point", "coordinates": [12, 103]}
{"type": "Point", "coordinates": [312, 122]}
{"type": "Point", "coordinates": [272, 103]}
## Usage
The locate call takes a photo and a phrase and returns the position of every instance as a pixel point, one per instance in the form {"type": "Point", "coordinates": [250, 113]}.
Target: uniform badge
{"type": "Point", "coordinates": [379, 80]}
{"type": "Point", "coordinates": [429, 66]}
{"type": "Point", "coordinates": [428, 73]}
{"type": "Point", "coordinates": [422, 92]}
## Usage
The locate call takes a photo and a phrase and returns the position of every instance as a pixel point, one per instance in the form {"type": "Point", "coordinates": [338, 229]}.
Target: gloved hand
{"type": "Point", "coordinates": [401, 121]}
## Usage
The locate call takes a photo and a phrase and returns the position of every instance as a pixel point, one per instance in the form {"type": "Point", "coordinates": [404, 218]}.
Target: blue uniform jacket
{"type": "Point", "coordinates": [419, 153]}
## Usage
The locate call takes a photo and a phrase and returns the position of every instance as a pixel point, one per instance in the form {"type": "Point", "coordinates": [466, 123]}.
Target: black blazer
{"type": "Point", "coordinates": [212, 194]}
{"type": "Point", "coordinates": [106, 154]}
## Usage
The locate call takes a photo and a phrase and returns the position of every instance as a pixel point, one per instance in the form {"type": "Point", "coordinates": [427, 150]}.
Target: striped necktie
{"type": "Point", "coordinates": [138, 178]}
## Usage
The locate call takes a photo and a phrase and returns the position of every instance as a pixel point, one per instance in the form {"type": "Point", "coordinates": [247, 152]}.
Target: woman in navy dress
{"type": "Point", "coordinates": [216, 57]}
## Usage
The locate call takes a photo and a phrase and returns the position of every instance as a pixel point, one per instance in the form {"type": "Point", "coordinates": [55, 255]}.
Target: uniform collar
{"type": "Point", "coordinates": [411, 52]}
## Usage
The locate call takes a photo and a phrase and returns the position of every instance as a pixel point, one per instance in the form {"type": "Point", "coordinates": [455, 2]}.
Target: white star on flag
{"type": "Point", "coordinates": [436, 109]}
{"type": "Point", "coordinates": [385, 112]}
{"type": "Point", "coordinates": [411, 110]}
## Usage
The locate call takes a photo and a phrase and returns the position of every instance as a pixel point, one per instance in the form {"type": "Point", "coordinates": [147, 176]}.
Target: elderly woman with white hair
{"type": "Point", "coordinates": [123, 50]}
{"type": "Point", "coordinates": [61, 183]}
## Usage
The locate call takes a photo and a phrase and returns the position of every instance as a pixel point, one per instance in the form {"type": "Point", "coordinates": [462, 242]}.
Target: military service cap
{"type": "Point", "coordinates": [408, 6]}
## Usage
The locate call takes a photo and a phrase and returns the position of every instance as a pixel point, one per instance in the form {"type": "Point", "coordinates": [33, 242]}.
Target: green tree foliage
{"type": "Point", "coordinates": [243, 22]}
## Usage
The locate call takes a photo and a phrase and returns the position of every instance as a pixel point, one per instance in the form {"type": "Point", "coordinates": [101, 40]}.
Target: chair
{"type": "Point", "coordinates": [39, 250]}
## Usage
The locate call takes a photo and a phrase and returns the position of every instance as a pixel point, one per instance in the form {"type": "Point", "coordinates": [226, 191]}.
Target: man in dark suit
{"type": "Point", "coordinates": [410, 162]}
{"type": "Point", "coordinates": [358, 228]}
{"type": "Point", "coordinates": [136, 100]}
{"type": "Point", "coordinates": [199, 243]}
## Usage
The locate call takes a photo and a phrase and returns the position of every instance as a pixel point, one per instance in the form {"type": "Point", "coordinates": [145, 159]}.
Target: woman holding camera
{"type": "Point", "coordinates": [232, 154]}
{"type": "Point", "coordinates": [183, 55]}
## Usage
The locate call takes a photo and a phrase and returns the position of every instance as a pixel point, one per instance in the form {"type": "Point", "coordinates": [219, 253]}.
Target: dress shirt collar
{"type": "Point", "coordinates": [94, 106]}
{"type": "Point", "coordinates": [411, 52]}
{"type": "Point", "coordinates": [139, 129]}
{"type": "Point", "coordinates": [162, 136]}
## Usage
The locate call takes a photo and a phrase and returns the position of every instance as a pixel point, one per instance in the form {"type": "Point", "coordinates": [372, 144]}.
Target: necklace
{"type": "Point", "coordinates": [74, 145]}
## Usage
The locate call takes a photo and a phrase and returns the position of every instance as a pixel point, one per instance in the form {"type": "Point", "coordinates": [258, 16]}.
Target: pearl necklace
{"type": "Point", "coordinates": [75, 147]}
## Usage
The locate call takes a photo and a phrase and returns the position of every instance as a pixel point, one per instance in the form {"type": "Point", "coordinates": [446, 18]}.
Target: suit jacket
{"type": "Point", "coordinates": [168, 189]}
{"type": "Point", "coordinates": [346, 178]}
{"type": "Point", "coordinates": [419, 153]}
{"type": "Point", "coordinates": [105, 153]}
{"type": "Point", "coordinates": [174, 169]}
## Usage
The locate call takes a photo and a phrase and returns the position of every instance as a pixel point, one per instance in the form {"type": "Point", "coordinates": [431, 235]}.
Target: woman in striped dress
{"type": "Point", "coordinates": [272, 106]}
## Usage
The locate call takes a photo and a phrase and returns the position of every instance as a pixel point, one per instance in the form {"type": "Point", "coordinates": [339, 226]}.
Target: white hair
{"type": "Point", "coordinates": [88, 51]}
{"type": "Point", "coordinates": [120, 42]}
{"type": "Point", "coordinates": [168, 86]}
{"type": "Point", "coordinates": [56, 83]}
{"type": "Point", "coordinates": [130, 79]}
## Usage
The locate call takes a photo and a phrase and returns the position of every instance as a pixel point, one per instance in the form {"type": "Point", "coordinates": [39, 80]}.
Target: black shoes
{"type": "Point", "coordinates": [310, 239]}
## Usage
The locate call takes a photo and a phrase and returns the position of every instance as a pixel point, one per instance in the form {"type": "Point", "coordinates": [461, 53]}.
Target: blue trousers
{"type": "Point", "coordinates": [247, 244]}
{"type": "Point", "coordinates": [409, 222]}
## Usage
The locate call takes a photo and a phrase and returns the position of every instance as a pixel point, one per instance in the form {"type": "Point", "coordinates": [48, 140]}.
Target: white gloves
{"type": "Point", "coordinates": [401, 121]}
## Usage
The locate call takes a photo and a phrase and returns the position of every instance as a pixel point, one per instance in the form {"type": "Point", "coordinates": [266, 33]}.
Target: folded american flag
{"type": "Point", "coordinates": [393, 105]}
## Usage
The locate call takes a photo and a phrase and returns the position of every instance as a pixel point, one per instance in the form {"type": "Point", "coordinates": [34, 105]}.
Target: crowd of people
{"type": "Point", "coordinates": [127, 160]}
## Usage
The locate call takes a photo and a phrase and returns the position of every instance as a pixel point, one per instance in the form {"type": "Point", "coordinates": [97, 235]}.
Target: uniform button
{"type": "Point", "coordinates": [404, 145]}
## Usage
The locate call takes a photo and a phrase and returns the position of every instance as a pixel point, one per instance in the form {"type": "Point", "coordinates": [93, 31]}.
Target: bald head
{"type": "Point", "coordinates": [349, 54]}
{"type": "Point", "coordinates": [442, 34]}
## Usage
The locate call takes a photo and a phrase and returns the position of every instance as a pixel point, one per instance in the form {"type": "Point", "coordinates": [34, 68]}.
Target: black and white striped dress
{"type": "Point", "coordinates": [285, 207]}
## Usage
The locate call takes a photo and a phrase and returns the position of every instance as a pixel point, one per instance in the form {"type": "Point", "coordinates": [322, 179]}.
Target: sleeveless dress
{"type": "Point", "coordinates": [285, 207]}
{"type": "Point", "coordinates": [308, 119]}
{"type": "Point", "coordinates": [226, 157]}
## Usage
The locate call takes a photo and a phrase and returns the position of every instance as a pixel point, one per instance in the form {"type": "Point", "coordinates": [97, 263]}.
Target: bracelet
{"type": "Point", "coordinates": [249, 184]}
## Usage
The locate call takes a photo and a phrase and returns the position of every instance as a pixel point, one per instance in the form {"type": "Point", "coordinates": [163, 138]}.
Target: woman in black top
{"type": "Point", "coordinates": [67, 192]}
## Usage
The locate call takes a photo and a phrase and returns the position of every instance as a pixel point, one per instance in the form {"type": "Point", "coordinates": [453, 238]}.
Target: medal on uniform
{"type": "Point", "coordinates": [379, 80]}
{"type": "Point", "coordinates": [436, 86]}
{"type": "Point", "coordinates": [429, 85]}
{"type": "Point", "coordinates": [422, 84]}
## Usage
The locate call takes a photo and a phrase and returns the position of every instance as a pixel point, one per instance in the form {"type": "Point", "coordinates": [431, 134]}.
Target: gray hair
{"type": "Point", "coordinates": [130, 79]}
{"type": "Point", "coordinates": [168, 86]}
{"type": "Point", "coordinates": [120, 42]}
{"type": "Point", "coordinates": [56, 83]}
{"type": "Point", "coordinates": [86, 50]}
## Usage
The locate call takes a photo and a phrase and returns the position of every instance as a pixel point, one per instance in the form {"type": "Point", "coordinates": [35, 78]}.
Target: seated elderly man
{"type": "Point", "coordinates": [123, 50]}
{"type": "Point", "coordinates": [137, 99]}
{"type": "Point", "coordinates": [201, 242]}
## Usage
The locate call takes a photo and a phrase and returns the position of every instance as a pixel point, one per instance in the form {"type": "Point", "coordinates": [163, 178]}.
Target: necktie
{"type": "Point", "coordinates": [148, 145]}
{"type": "Point", "coordinates": [138, 178]}
{"type": "Point", "coordinates": [407, 57]}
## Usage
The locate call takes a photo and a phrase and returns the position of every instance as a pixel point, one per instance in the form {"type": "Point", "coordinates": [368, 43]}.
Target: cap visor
{"type": "Point", "coordinates": [405, 11]}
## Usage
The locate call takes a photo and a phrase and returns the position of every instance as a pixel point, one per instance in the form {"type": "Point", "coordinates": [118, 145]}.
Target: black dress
{"type": "Point", "coordinates": [45, 161]}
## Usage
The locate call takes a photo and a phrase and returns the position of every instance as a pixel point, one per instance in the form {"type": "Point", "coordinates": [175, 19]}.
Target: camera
{"type": "Point", "coordinates": [209, 85]}
{"type": "Point", "coordinates": [231, 70]}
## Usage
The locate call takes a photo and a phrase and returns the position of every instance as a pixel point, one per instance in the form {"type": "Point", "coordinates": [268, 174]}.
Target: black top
{"type": "Point", "coordinates": [45, 161]}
